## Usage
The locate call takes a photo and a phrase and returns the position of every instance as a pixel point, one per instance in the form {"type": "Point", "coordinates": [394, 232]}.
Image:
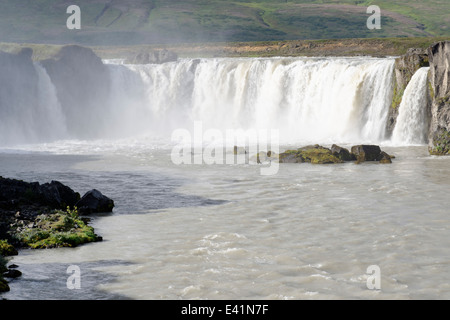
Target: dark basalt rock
{"type": "Point", "coordinates": [342, 153]}
{"type": "Point", "coordinates": [82, 84]}
{"type": "Point", "coordinates": [385, 158]}
{"type": "Point", "coordinates": [57, 195]}
{"type": "Point", "coordinates": [94, 202]}
{"type": "Point", "coordinates": [14, 193]}
{"type": "Point", "coordinates": [12, 273]}
{"type": "Point", "coordinates": [366, 153]}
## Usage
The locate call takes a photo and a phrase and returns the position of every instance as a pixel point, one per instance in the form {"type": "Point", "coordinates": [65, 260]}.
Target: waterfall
{"type": "Point", "coordinates": [29, 108]}
{"type": "Point", "coordinates": [411, 127]}
{"type": "Point", "coordinates": [307, 99]}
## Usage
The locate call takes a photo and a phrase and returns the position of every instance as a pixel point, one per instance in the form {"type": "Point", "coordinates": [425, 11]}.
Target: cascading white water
{"type": "Point", "coordinates": [307, 100]}
{"type": "Point", "coordinates": [411, 124]}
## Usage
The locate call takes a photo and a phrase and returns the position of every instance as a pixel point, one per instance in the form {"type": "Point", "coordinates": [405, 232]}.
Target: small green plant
{"type": "Point", "coordinates": [72, 213]}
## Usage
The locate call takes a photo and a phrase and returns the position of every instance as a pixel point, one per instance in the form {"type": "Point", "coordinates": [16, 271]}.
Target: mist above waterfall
{"type": "Point", "coordinates": [309, 100]}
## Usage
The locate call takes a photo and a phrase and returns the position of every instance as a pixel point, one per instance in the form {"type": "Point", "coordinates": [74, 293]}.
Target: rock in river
{"type": "Point", "coordinates": [312, 154]}
{"type": "Point", "coordinates": [342, 153]}
{"type": "Point", "coordinates": [94, 202]}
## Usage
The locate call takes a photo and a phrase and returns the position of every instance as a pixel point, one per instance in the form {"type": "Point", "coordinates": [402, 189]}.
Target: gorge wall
{"type": "Point", "coordinates": [439, 80]}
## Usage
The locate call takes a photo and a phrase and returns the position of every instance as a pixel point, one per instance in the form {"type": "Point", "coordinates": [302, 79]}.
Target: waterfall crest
{"type": "Point", "coordinates": [308, 100]}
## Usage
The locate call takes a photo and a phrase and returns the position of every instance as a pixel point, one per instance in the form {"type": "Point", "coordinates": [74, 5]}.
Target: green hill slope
{"type": "Point", "coordinates": [124, 22]}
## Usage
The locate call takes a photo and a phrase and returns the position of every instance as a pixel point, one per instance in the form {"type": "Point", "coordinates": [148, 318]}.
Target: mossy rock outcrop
{"type": "Point", "coordinates": [311, 154]}
{"type": "Point", "coordinates": [317, 154]}
{"type": "Point", "coordinates": [59, 229]}
{"type": "Point", "coordinates": [31, 215]}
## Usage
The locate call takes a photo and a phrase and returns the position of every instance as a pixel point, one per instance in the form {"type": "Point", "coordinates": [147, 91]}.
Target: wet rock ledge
{"type": "Point", "coordinates": [34, 215]}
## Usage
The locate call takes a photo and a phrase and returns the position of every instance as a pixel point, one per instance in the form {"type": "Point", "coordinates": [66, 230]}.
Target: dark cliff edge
{"type": "Point", "coordinates": [82, 83]}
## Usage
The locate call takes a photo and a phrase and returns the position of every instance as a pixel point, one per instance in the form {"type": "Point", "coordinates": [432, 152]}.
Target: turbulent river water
{"type": "Point", "coordinates": [225, 231]}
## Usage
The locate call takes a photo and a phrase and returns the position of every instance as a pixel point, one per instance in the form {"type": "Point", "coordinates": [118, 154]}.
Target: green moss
{"type": "Point", "coordinates": [61, 229]}
{"type": "Point", "coordinates": [397, 97]}
{"type": "Point", "coordinates": [319, 156]}
{"type": "Point", "coordinates": [6, 249]}
{"type": "Point", "coordinates": [431, 90]}
{"type": "Point", "coordinates": [312, 154]}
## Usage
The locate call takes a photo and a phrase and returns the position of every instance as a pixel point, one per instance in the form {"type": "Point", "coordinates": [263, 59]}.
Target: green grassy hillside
{"type": "Point", "coordinates": [125, 22]}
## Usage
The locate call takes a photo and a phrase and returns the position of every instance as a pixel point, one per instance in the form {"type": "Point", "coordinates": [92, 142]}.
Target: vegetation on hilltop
{"type": "Point", "coordinates": [127, 22]}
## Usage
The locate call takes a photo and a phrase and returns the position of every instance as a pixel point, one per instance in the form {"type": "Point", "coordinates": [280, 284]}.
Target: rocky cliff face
{"type": "Point", "coordinates": [405, 67]}
{"type": "Point", "coordinates": [82, 84]}
{"type": "Point", "coordinates": [439, 80]}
